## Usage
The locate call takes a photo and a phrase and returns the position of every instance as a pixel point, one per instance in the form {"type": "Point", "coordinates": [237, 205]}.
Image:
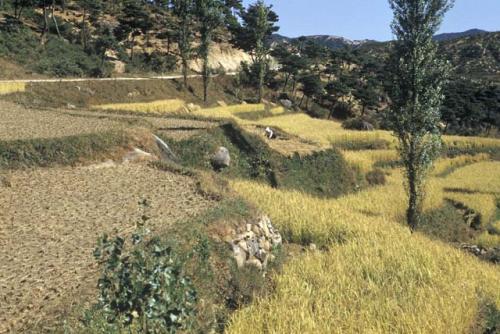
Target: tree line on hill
{"type": "Point", "coordinates": [346, 83]}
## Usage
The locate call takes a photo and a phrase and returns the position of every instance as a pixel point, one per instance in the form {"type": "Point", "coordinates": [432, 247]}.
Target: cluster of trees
{"type": "Point", "coordinates": [337, 80]}
{"type": "Point", "coordinates": [471, 108]}
{"type": "Point", "coordinates": [192, 24]}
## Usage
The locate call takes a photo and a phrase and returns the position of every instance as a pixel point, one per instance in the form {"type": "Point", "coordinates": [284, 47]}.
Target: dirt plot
{"type": "Point", "coordinates": [17, 122]}
{"type": "Point", "coordinates": [50, 220]}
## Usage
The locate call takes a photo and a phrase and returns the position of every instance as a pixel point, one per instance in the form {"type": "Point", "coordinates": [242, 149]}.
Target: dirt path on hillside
{"type": "Point", "coordinates": [159, 77]}
{"type": "Point", "coordinates": [50, 220]}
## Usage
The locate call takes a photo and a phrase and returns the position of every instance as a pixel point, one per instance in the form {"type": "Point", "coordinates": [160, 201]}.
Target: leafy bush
{"type": "Point", "coordinates": [144, 287]}
{"type": "Point", "coordinates": [65, 151]}
{"type": "Point", "coordinates": [56, 58]}
{"type": "Point", "coordinates": [357, 124]}
{"type": "Point", "coordinates": [342, 110]}
{"type": "Point", "coordinates": [376, 177]}
{"type": "Point", "coordinates": [324, 173]}
{"type": "Point", "coordinates": [157, 62]}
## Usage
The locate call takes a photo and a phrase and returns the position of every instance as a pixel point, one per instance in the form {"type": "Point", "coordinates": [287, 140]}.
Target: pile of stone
{"type": "Point", "coordinates": [253, 247]}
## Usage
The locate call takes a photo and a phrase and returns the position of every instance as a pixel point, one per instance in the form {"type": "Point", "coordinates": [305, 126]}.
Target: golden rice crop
{"type": "Point", "coordinates": [277, 111]}
{"type": "Point", "coordinates": [484, 204]}
{"type": "Point", "coordinates": [471, 143]}
{"type": "Point", "coordinates": [159, 107]}
{"type": "Point", "coordinates": [230, 111]}
{"type": "Point", "coordinates": [481, 177]}
{"type": "Point", "coordinates": [443, 165]}
{"type": "Point", "coordinates": [323, 132]}
{"type": "Point", "coordinates": [375, 276]}
{"type": "Point", "coordinates": [487, 240]}
{"type": "Point", "coordinates": [12, 87]}
{"type": "Point", "coordinates": [366, 159]}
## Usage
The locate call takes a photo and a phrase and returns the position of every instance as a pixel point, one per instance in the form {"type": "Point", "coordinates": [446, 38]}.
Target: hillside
{"type": "Point", "coordinates": [327, 202]}
{"type": "Point", "coordinates": [474, 53]}
{"type": "Point", "coordinates": [163, 169]}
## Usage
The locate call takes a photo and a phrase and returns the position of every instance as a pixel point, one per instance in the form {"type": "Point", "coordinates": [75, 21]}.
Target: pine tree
{"type": "Point", "coordinates": [258, 24]}
{"type": "Point", "coordinates": [417, 76]}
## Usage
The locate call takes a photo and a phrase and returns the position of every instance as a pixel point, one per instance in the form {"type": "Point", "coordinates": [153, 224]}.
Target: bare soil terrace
{"type": "Point", "coordinates": [50, 220]}
{"type": "Point", "coordinates": [20, 123]}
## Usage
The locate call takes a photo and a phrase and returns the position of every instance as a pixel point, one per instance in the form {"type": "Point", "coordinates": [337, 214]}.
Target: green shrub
{"type": "Point", "coordinates": [144, 287]}
{"type": "Point", "coordinates": [324, 173]}
{"type": "Point", "coordinates": [357, 123]}
{"type": "Point", "coordinates": [376, 177]}
{"type": "Point", "coordinates": [55, 58]}
{"type": "Point", "coordinates": [58, 151]}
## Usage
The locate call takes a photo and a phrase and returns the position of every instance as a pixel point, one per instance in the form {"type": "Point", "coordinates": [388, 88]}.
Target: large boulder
{"type": "Point", "coordinates": [221, 158]}
{"type": "Point", "coordinates": [286, 103]}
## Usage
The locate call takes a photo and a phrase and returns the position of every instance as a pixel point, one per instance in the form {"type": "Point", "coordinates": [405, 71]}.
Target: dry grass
{"type": "Point", "coordinates": [17, 122]}
{"type": "Point", "coordinates": [366, 159]}
{"type": "Point", "coordinates": [373, 276]}
{"type": "Point", "coordinates": [322, 132]}
{"type": "Point", "coordinates": [49, 223]}
{"type": "Point", "coordinates": [443, 166]}
{"type": "Point", "coordinates": [481, 177]}
{"type": "Point", "coordinates": [484, 204]}
{"type": "Point", "coordinates": [12, 87]}
{"type": "Point", "coordinates": [156, 107]}
{"type": "Point", "coordinates": [487, 240]}
{"type": "Point", "coordinates": [472, 143]}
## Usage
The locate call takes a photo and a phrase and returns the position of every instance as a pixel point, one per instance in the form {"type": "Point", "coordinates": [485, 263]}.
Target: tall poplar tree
{"type": "Point", "coordinates": [416, 90]}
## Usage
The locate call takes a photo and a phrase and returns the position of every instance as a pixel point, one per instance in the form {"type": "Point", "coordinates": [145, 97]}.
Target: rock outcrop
{"type": "Point", "coordinates": [253, 247]}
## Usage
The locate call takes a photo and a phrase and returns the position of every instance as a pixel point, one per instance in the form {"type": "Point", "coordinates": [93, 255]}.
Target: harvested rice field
{"type": "Point", "coordinates": [19, 123]}
{"type": "Point", "coordinates": [50, 220]}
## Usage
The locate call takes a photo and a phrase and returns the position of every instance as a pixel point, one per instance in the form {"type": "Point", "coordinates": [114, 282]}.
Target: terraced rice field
{"type": "Point", "coordinates": [19, 123]}
{"type": "Point", "coordinates": [373, 274]}
{"type": "Point", "coordinates": [11, 87]}
{"type": "Point", "coordinates": [50, 221]}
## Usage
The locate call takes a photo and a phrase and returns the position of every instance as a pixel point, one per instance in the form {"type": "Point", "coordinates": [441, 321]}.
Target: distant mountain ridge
{"type": "Point", "coordinates": [455, 35]}
{"type": "Point", "coordinates": [336, 42]}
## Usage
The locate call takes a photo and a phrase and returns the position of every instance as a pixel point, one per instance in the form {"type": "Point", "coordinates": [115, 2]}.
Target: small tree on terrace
{"type": "Point", "coordinates": [417, 76]}
{"type": "Point", "coordinates": [210, 16]}
{"type": "Point", "coordinates": [134, 21]}
{"type": "Point", "coordinates": [184, 10]}
{"type": "Point", "coordinates": [251, 36]}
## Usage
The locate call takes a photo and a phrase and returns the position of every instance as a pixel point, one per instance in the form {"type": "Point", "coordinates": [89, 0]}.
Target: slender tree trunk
{"type": "Point", "coordinates": [132, 47]}
{"type": "Point", "coordinates": [206, 79]}
{"type": "Point", "coordinates": [205, 51]}
{"type": "Point", "coordinates": [54, 18]}
{"type": "Point", "coordinates": [84, 38]}
{"type": "Point", "coordinates": [294, 87]}
{"type": "Point", "coordinates": [261, 80]}
{"type": "Point", "coordinates": [45, 28]}
{"type": "Point", "coordinates": [287, 77]}
{"type": "Point", "coordinates": [302, 100]}
{"type": "Point", "coordinates": [185, 70]}
{"type": "Point", "coordinates": [414, 208]}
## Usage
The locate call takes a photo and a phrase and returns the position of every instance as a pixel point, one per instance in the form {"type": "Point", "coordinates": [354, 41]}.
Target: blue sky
{"type": "Point", "coordinates": [370, 19]}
